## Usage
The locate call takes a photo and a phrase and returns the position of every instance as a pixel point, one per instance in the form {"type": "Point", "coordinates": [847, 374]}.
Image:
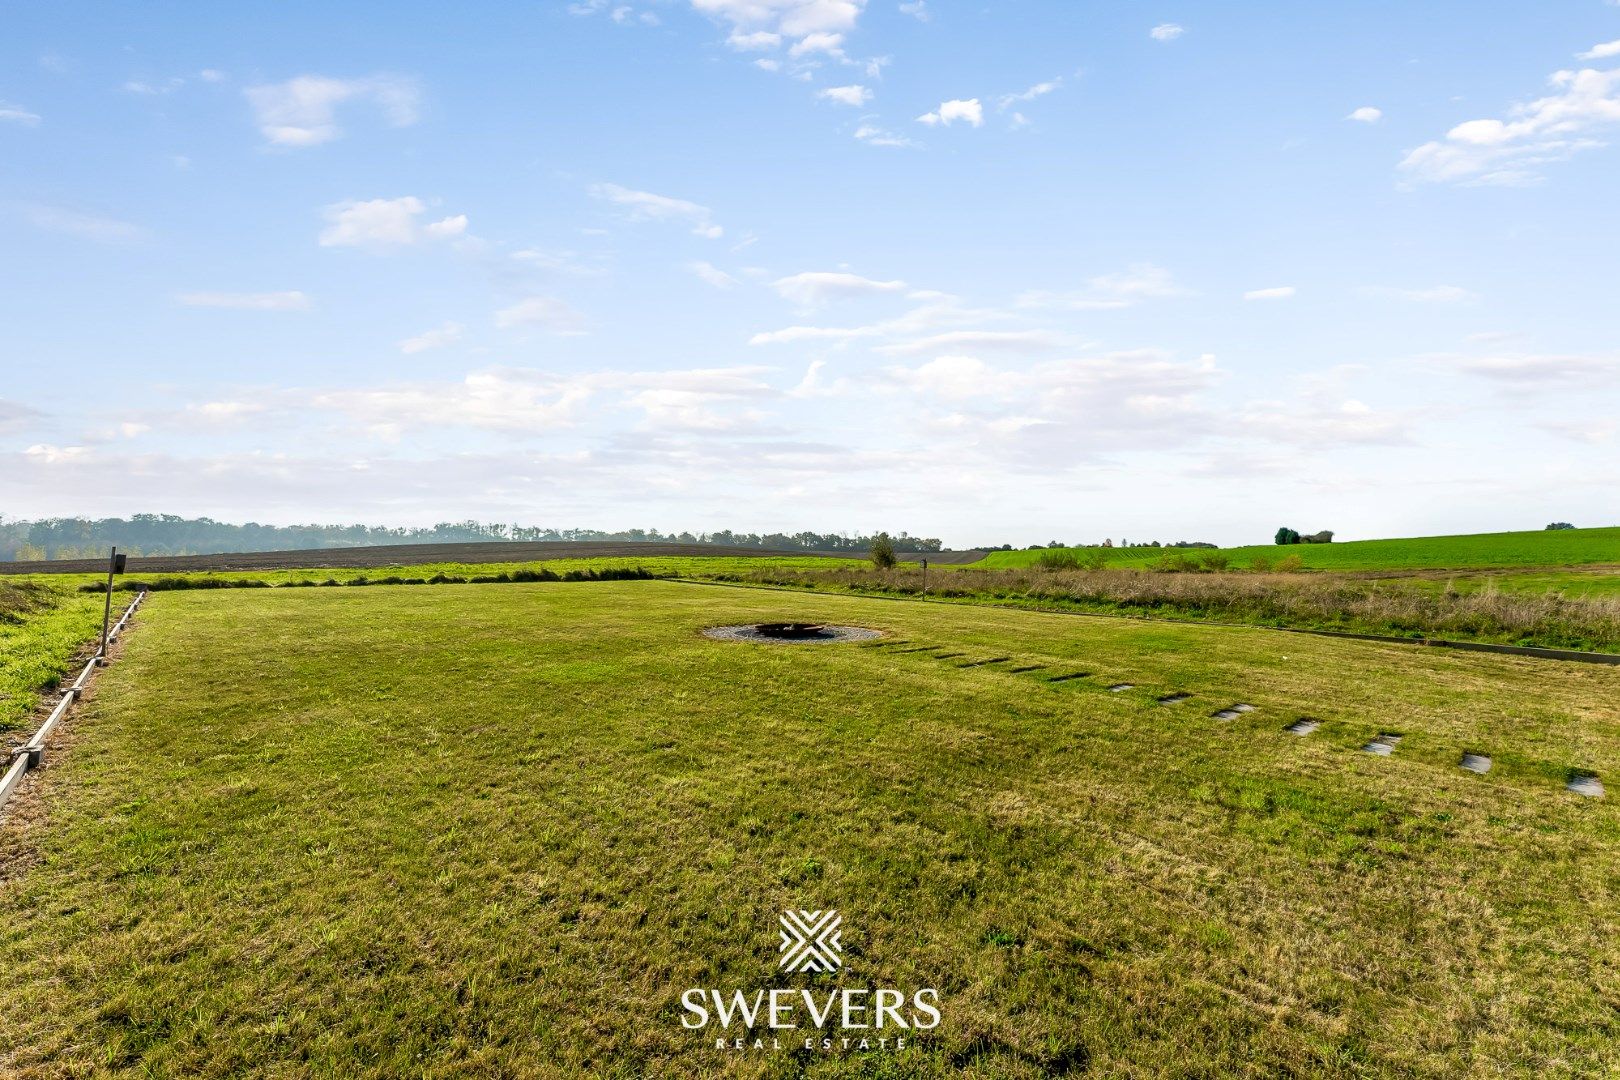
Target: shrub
{"type": "Point", "coordinates": [882, 553]}
{"type": "Point", "coordinates": [1290, 564]}
{"type": "Point", "coordinates": [1559, 526]}
{"type": "Point", "coordinates": [1285, 535]}
{"type": "Point", "coordinates": [1058, 560]}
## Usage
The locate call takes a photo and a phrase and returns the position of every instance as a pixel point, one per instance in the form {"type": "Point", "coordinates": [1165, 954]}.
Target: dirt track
{"type": "Point", "coordinates": [416, 554]}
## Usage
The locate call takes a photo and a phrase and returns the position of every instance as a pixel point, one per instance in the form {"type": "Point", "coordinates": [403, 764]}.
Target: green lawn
{"type": "Point", "coordinates": [497, 831]}
{"type": "Point", "coordinates": [44, 625]}
{"type": "Point", "coordinates": [1568, 547]}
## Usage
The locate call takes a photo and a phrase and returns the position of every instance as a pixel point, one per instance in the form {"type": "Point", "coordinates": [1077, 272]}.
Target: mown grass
{"type": "Point", "coordinates": [496, 830]}
{"type": "Point", "coordinates": [43, 625]}
{"type": "Point", "coordinates": [1566, 547]}
{"type": "Point", "coordinates": [1397, 608]}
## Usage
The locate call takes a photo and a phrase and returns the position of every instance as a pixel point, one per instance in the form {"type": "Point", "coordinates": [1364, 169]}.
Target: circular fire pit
{"type": "Point", "coordinates": [792, 633]}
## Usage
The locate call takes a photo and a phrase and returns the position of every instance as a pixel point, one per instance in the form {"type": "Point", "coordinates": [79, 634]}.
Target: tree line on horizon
{"type": "Point", "coordinates": [170, 534]}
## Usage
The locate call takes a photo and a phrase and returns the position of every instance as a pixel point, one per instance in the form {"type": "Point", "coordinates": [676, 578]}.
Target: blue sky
{"type": "Point", "coordinates": [1003, 272]}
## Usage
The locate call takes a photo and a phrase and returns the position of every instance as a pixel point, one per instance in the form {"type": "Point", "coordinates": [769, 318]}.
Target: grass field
{"type": "Point", "coordinates": [1570, 547]}
{"type": "Point", "coordinates": [497, 830]}
{"type": "Point", "coordinates": [43, 626]}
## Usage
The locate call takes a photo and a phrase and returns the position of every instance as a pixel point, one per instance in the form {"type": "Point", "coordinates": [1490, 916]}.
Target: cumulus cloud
{"type": "Point", "coordinates": [646, 206]}
{"type": "Point", "coordinates": [830, 44]}
{"type": "Point", "coordinates": [788, 18]}
{"type": "Point", "coordinates": [1281, 292]}
{"type": "Point", "coordinates": [303, 111]}
{"type": "Point", "coordinates": [1367, 114]}
{"type": "Point", "coordinates": [448, 334]}
{"type": "Point", "coordinates": [1513, 151]}
{"type": "Point", "coordinates": [917, 9]}
{"type": "Point", "coordinates": [1014, 341]}
{"type": "Point", "coordinates": [856, 96]}
{"type": "Point", "coordinates": [16, 114]}
{"type": "Point", "coordinates": [1167, 31]}
{"type": "Point", "coordinates": [757, 41]}
{"type": "Point", "coordinates": [817, 287]}
{"type": "Point", "coordinates": [968, 111]}
{"type": "Point", "coordinates": [1601, 52]}
{"type": "Point", "coordinates": [292, 300]}
{"type": "Point", "coordinates": [546, 312]}
{"type": "Point", "coordinates": [385, 223]}
{"type": "Point", "coordinates": [713, 275]}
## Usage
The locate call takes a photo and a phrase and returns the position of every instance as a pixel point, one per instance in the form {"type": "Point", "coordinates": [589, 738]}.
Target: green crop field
{"type": "Point", "coordinates": [500, 830]}
{"type": "Point", "coordinates": [1569, 547]}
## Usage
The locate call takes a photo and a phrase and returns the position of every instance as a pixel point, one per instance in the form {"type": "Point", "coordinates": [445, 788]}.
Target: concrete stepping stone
{"type": "Point", "coordinates": [948, 655]}
{"type": "Point", "coordinates": [1071, 675]}
{"type": "Point", "coordinates": [1173, 699]}
{"type": "Point", "coordinates": [1586, 784]}
{"type": "Point", "coordinates": [1120, 687]}
{"type": "Point", "coordinates": [1383, 746]}
{"type": "Point", "coordinates": [982, 663]}
{"type": "Point", "coordinates": [1476, 763]}
{"type": "Point", "coordinates": [1232, 712]}
{"type": "Point", "coordinates": [1303, 726]}
{"type": "Point", "coordinates": [1027, 667]}
{"type": "Point", "coordinates": [920, 648]}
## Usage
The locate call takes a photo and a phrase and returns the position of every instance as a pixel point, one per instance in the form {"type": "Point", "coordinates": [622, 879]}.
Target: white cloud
{"type": "Point", "coordinates": [646, 206]}
{"type": "Point", "coordinates": [1367, 114]}
{"type": "Point", "coordinates": [917, 9]}
{"type": "Point", "coordinates": [790, 18]}
{"type": "Point", "coordinates": [448, 334]}
{"type": "Point", "coordinates": [758, 41]}
{"type": "Point", "coordinates": [969, 111]}
{"type": "Point", "coordinates": [1015, 341]}
{"type": "Point", "coordinates": [1040, 89]}
{"type": "Point", "coordinates": [713, 275]}
{"type": "Point", "coordinates": [766, 64]}
{"type": "Point", "coordinates": [817, 287]}
{"type": "Point", "coordinates": [211, 75]}
{"type": "Point", "coordinates": [16, 114]}
{"type": "Point", "coordinates": [872, 135]}
{"type": "Point", "coordinates": [1167, 31]}
{"type": "Point", "coordinates": [265, 301]}
{"type": "Point", "coordinates": [303, 111]}
{"type": "Point", "coordinates": [1601, 52]}
{"type": "Point", "coordinates": [384, 223]}
{"type": "Point", "coordinates": [1537, 370]}
{"type": "Point", "coordinates": [84, 226]}
{"type": "Point", "coordinates": [1140, 282]}
{"type": "Point", "coordinates": [831, 44]}
{"type": "Point", "coordinates": [147, 89]}
{"type": "Point", "coordinates": [15, 416]}
{"type": "Point", "coordinates": [1593, 432]}
{"type": "Point", "coordinates": [546, 312]}
{"type": "Point", "coordinates": [857, 96]}
{"type": "Point", "coordinates": [1282, 292]}
{"type": "Point", "coordinates": [1511, 151]}
{"type": "Point", "coordinates": [1315, 425]}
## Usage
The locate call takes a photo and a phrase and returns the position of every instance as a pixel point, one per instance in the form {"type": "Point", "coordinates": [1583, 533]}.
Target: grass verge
{"type": "Point", "coordinates": [43, 626]}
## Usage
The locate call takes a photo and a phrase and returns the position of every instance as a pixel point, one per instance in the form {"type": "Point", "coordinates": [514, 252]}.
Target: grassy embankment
{"type": "Point", "coordinates": [43, 626]}
{"type": "Point", "coordinates": [1395, 608]}
{"type": "Point", "coordinates": [1570, 547]}
{"type": "Point", "coordinates": [497, 830]}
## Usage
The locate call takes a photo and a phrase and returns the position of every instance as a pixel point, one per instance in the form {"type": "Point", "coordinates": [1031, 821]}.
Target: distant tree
{"type": "Point", "coordinates": [1323, 537]}
{"type": "Point", "coordinates": [1559, 526]}
{"type": "Point", "coordinates": [882, 553]}
{"type": "Point", "coordinates": [1285, 535]}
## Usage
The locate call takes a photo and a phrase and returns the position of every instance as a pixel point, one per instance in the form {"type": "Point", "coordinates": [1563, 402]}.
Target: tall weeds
{"type": "Point", "coordinates": [1313, 601]}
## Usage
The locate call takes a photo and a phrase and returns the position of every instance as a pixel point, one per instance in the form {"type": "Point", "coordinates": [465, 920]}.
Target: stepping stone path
{"type": "Point", "coordinates": [1383, 746]}
{"type": "Point", "coordinates": [982, 663]}
{"type": "Point", "coordinates": [1027, 667]}
{"type": "Point", "coordinates": [1119, 686]}
{"type": "Point", "coordinates": [1233, 712]}
{"type": "Point", "coordinates": [1586, 784]}
{"type": "Point", "coordinates": [948, 655]}
{"type": "Point", "coordinates": [920, 648]}
{"type": "Point", "coordinates": [1476, 763]}
{"type": "Point", "coordinates": [1173, 699]}
{"type": "Point", "coordinates": [1303, 726]}
{"type": "Point", "coordinates": [1066, 678]}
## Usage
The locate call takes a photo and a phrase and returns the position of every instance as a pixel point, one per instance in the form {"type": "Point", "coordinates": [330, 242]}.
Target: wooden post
{"type": "Point", "coordinates": [925, 577]}
{"type": "Point", "coordinates": [106, 611]}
